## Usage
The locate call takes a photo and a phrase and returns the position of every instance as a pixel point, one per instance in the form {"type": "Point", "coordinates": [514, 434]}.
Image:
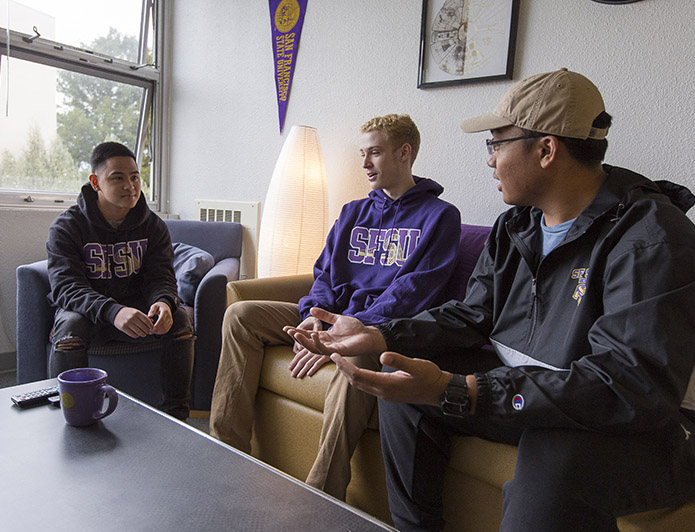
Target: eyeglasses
{"type": "Point", "coordinates": [492, 144]}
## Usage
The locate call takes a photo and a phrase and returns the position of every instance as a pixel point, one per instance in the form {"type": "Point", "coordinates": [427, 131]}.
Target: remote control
{"type": "Point", "coordinates": [38, 397]}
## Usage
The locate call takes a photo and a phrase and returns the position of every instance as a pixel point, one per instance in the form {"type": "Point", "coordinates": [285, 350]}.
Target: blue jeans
{"type": "Point", "coordinates": [73, 334]}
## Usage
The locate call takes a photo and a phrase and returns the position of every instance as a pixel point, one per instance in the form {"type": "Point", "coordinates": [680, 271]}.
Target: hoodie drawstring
{"type": "Point", "coordinates": [397, 203]}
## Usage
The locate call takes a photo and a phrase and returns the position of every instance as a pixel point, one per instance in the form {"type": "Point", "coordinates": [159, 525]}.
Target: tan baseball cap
{"type": "Point", "coordinates": [561, 103]}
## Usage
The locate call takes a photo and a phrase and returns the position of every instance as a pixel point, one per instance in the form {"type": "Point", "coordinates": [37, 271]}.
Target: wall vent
{"type": "Point", "coordinates": [246, 213]}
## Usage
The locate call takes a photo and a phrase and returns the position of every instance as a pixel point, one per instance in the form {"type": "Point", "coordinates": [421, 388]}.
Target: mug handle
{"type": "Point", "coordinates": [109, 392]}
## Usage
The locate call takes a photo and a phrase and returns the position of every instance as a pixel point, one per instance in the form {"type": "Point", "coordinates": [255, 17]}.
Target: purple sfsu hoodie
{"type": "Point", "coordinates": [387, 258]}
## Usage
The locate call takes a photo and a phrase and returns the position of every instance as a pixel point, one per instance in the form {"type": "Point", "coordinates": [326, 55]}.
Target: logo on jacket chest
{"type": "Point", "coordinates": [382, 246]}
{"type": "Point", "coordinates": [106, 261]}
{"type": "Point", "coordinates": [581, 276]}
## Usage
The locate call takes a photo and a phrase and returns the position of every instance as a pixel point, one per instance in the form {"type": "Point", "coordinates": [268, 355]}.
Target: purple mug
{"type": "Point", "coordinates": [82, 393]}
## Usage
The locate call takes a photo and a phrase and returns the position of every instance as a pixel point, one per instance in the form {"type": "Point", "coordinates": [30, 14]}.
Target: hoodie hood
{"type": "Point", "coordinates": [87, 203]}
{"type": "Point", "coordinates": [423, 185]}
{"type": "Point", "coordinates": [624, 188]}
{"type": "Point", "coordinates": [629, 186]}
{"type": "Point", "coordinates": [424, 188]}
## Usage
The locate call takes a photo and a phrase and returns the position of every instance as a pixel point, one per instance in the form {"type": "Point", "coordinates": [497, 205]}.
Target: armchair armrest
{"type": "Point", "coordinates": [210, 297]}
{"type": "Point", "coordinates": [289, 288]}
{"type": "Point", "coordinates": [210, 304]}
{"type": "Point", "coordinates": [34, 321]}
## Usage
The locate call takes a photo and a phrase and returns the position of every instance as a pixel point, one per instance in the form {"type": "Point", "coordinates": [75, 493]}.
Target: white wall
{"type": "Point", "coordinates": [359, 58]}
{"type": "Point", "coordinates": [22, 240]}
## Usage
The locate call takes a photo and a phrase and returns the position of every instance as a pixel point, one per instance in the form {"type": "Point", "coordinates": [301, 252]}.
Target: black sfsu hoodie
{"type": "Point", "coordinates": [96, 270]}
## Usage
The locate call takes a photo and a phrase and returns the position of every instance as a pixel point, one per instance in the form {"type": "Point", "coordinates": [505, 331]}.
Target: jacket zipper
{"type": "Point", "coordinates": [534, 310]}
{"type": "Point", "coordinates": [527, 256]}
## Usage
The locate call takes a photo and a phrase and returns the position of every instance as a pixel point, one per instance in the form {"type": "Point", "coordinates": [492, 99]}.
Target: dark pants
{"type": "Point", "coordinates": [565, 479]}
{"type": "Point", "coordinates": [176, 362]}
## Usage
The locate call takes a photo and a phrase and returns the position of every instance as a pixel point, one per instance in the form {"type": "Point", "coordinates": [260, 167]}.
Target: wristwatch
{"type": "Point", "coordinates": [455, 401]}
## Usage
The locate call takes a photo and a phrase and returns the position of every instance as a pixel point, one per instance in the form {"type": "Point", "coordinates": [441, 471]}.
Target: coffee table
{"type": "Point", "coordinates": [141, 470]}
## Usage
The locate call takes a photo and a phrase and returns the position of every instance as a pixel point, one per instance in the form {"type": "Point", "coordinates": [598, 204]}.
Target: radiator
{"type": "Point", "coordinates": [246, 213]}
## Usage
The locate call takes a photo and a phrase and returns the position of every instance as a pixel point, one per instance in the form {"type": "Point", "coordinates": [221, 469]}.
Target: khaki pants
{"type": "Point", "coordinates": [250, 326]}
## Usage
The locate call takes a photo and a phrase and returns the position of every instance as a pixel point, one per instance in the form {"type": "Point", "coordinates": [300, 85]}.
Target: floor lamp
{"type": "Point", "coordinates": [295, 214]}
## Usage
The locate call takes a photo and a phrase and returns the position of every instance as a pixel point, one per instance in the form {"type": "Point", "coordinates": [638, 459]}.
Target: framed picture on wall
{"type": "Point", "coordinates": [464, 41]}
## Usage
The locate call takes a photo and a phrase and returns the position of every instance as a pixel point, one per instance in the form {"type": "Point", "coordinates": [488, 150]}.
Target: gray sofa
{"type": "Point", "coordinates": [137, 372]}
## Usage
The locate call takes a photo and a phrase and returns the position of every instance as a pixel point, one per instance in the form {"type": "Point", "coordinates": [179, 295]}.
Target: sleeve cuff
{"type": "Point", "coordinates": [483, 402]}
{"type": "Point", "coordinates": [387, 333]}
{"type": "Point", "coordinates": [109, 311]}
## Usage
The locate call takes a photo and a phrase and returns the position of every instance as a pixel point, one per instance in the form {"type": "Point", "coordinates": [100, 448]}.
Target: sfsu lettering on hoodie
{"type": "Point", "coordinates": [122, 259]}
{"type": "Point", "coordinates": [387, 246]}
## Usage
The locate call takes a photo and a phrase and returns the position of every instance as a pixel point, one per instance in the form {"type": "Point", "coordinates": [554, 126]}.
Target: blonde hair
{"type": "Point", "coordinates": [398, 130]}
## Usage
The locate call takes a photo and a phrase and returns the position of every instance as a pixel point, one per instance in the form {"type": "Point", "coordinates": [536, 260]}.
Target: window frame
{"type": "Point", "coordinates": [146, 76]}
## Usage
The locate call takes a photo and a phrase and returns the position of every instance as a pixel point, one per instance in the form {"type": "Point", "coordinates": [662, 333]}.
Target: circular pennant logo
{"type": "Point", "coordinates": [286, 15]}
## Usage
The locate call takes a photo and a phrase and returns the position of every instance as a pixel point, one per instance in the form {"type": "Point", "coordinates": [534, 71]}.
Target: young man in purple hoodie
{"type": "Point", "coordinates": [388, 255]}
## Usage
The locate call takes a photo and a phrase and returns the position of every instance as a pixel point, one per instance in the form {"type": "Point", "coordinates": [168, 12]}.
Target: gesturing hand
{"type": "Point", "coordinates": [347, 336]}
{"type": "Point", "coordinates": [415, 380]}
{"type": "Point", "coordinates": [309, 324]}
{"type": "Point", "coordinates": [305, 362]}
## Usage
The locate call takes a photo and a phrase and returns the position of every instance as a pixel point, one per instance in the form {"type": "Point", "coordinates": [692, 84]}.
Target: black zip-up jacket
{"type": "Point", "coordinates": [96, 270]}
{"type": "Point", "coordinates": [599, 334]}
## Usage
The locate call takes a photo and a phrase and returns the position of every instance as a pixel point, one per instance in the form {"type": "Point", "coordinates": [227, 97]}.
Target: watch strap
{"type": "Point", "coordinates": [455, 400]}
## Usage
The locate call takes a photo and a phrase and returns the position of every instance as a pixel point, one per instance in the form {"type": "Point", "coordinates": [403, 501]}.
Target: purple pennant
{"type": "Point", "coordinates": [286, 21]}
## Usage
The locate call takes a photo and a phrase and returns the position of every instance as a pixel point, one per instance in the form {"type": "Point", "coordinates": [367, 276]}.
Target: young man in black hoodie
{"type": "Point", "coordinates": [585, 289]}
{"type": "Point", "coordinates": [112, 278]}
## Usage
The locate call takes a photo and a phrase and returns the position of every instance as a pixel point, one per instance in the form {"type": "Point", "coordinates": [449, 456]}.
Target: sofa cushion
{"type": "Point", "coordinates": [276, 378]}
{"type": "Point", "coordinates": [190, 266]}
{"type": "Point", "coordinates": [468, 453]}
{"type": "Point", "coordinates": [471, 244]}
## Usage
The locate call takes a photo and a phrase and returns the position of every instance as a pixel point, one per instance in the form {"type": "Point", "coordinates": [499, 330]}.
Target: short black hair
{"type": "Point", "coordinates": [585, 151]}
{"type": "Point", "coordinates": [105, 151]}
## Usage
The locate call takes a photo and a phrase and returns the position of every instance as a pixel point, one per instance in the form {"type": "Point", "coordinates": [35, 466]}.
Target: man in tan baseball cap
{"type": "Point", "coordinates": [562, 116]}
{"type": "Point", "coordinates": [560, 103]}
{"type": "Point", "coordinates": [585, 290]}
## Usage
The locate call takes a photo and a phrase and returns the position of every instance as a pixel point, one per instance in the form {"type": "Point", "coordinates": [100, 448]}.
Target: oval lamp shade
{"type": "Point", "coordinates": [295, 214]}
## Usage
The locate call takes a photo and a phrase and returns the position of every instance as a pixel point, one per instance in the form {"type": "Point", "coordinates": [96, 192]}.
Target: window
{"type": "Point", "coordinates": [73, 74]}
